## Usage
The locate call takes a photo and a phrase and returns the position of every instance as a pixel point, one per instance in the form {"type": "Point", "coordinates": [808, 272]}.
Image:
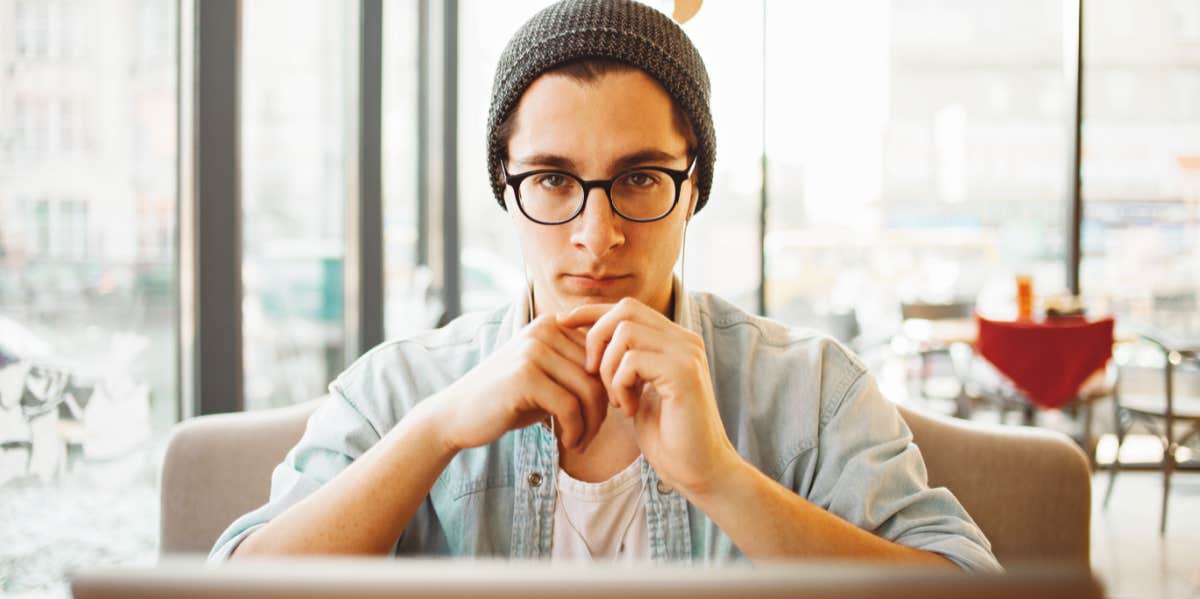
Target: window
{"type": "Point", "coordinates": [1141, 162]}
{"type": "Point", "coordinates": [722, 240]}
{"type": "Point", "coordinates": [409, 306]}
{"type": "Point", "coordinates": [293, 197]}
{"type": "Point", "coordinates": [491, 267]}
{"type": "Point", "coordinates": [87, 319]}
{"type": "Point", "coordinates": [926, 163]}
{"type": "Point", "coordinates": [68, 242]}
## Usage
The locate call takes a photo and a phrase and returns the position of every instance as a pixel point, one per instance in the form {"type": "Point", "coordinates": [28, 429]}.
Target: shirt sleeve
{"type": "Point", "coordinates": [870, 473]}
{"type": "Point", "coordinates": [336, 434]}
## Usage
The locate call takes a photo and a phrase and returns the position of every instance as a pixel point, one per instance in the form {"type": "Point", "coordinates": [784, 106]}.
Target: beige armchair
{"type": "Point", "coordinates": [1028, 489]}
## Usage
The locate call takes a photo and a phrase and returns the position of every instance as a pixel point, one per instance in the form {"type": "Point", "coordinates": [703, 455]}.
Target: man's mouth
{"type": "Point", "coordinates": [594, 280]}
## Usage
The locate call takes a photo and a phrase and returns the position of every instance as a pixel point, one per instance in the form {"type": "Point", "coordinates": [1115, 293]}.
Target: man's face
{"type": "Point", "coordinates": [592, 129]}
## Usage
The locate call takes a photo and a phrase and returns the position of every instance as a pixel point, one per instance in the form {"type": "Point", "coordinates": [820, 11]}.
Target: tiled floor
{"type": "Point", "coordinates": [1128, 554]}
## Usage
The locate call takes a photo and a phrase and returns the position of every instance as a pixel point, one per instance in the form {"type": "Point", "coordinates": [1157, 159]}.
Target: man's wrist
{"type": "Point", "coordinates": [428, 420]}
{"type": "Point", "coordinates": [731, 474]}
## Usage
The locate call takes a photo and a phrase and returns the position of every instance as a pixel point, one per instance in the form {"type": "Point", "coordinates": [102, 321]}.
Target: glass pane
{"type": "Point", "coordinates": [722, 240]}
{"type": "Point", "coordinates": [925, 162]}
{"type": "Point", "coordinates": [408, 304]}
{"type": "Point", "coordinates": [1141, 163]}
{"type": "Point", "coordinates": [87, 281]}
{"type": "Point", "coordinates": [293, 177]}
{"type": "Point", "coordinates": [491, 259]}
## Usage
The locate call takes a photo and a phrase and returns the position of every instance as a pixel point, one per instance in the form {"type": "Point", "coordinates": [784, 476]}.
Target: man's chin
{"type": "Point", "coordinates": [572, 298]}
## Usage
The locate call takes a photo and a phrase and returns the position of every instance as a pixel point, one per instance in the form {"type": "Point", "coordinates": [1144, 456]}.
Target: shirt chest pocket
{"type": "Point", "coordinates": [478, 516]}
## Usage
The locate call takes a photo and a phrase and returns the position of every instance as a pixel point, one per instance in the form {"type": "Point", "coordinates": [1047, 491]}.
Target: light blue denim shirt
{"type": "Point", "coordinates": [796, 404]}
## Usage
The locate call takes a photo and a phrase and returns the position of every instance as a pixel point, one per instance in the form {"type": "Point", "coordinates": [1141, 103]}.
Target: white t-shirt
{"type": "Point", "coordinates": [604, 521]}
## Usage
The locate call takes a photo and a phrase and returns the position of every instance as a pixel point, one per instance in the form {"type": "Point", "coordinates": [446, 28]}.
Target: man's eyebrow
{"type": "Point", "coordinates": [640, 157]}
{"type": "Point", "coordinates": [546, 160]}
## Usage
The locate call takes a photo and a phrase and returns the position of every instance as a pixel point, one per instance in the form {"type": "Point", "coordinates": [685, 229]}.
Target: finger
{"type": "Point", "coordinates": [586, 388]}
{"type": "Point", "coordinates": [583, 316]}
{"type": "Point", "coordinates": [559, 403]}
{"type": "Point", "coordinates": [546, 330]}
{"type": "Point", "coordinates": [635, 399]}
{"type": "Point", "coordinates": [602, 331]}
{"type": "Point", "coordinates": [577, 336]}
{"type": "Point", "coordinates": [629, 380]}
{"type": "Point", "coordinates": [628, 335]}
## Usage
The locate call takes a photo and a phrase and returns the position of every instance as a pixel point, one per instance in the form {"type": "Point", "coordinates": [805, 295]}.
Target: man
{"type": "Point", "coordinates": [609, 414]}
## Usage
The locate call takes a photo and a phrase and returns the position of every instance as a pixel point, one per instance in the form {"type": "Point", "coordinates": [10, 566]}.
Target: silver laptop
{"type": "Point", "coordinates": [365, 578]}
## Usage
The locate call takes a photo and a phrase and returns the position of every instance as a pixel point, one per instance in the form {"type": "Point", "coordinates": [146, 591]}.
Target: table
{"type": "Point", "coordinates": [1048, 360]}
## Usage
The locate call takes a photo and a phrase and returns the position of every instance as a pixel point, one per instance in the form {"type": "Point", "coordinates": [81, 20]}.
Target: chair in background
{"type": "Point", "coordinates": [1172, 417]}
{"type": "Point", "coordinates": [935, 349]}
{"type": "Point", "coordinates": [1028, 489]}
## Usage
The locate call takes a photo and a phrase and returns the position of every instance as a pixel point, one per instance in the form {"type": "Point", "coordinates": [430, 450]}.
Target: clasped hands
{"type": "Point", "coordinates": [573, 366]}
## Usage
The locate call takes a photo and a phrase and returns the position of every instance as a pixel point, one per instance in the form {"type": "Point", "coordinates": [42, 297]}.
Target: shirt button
{"type": "Point", "coordinates": [663, 488]}
{"type": "Point", "coordinates": [535, 480]}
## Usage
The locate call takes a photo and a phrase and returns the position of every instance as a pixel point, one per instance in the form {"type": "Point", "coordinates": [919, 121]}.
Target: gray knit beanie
{"type": "Point", "coordinates": [620, 30]}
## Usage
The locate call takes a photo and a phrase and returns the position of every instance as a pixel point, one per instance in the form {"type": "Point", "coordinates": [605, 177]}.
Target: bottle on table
{"type": "Point", "coordinates": [1024, 297]}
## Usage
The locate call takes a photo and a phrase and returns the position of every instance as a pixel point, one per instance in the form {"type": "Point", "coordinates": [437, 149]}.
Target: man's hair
{"type": "Point", "coordinates": [591, 70]}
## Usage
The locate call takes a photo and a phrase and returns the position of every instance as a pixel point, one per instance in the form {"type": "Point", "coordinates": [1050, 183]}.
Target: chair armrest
{"type": "Point", "coordinates": [1028, 489]}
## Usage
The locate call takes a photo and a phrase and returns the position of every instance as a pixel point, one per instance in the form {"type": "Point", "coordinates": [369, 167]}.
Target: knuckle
{"type": "Point", "coordinates": [622, 329]}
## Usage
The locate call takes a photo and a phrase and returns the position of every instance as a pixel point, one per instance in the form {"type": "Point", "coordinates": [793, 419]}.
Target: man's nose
{"type": "Point", "coordinates": [598, 229]}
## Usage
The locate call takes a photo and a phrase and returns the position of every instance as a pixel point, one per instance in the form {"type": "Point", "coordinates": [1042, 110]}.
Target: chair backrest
{"type": "Point", "coordinates": [1028, 489]}
{"type": "Point", "coordinates": [217, 468]}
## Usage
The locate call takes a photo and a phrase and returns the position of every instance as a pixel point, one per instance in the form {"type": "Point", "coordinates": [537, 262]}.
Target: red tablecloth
{"type": "Point", "coordinates": [1048, 360]}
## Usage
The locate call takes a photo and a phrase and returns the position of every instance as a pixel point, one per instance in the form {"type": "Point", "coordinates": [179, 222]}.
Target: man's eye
{"type": "Point", "coordinates": [552, 180]}
{"type": "Point", "coordinates": [642, 179]}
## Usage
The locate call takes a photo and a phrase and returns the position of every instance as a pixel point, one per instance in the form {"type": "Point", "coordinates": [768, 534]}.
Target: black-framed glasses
{"type": "Point", "coordinates": [642, 195]}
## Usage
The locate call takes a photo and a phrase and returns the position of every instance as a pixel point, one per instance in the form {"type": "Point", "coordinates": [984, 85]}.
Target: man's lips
{"type": "Point", "coordinates": [593, 281]}
{"type": "Point", "coordinates": [596, 277]}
